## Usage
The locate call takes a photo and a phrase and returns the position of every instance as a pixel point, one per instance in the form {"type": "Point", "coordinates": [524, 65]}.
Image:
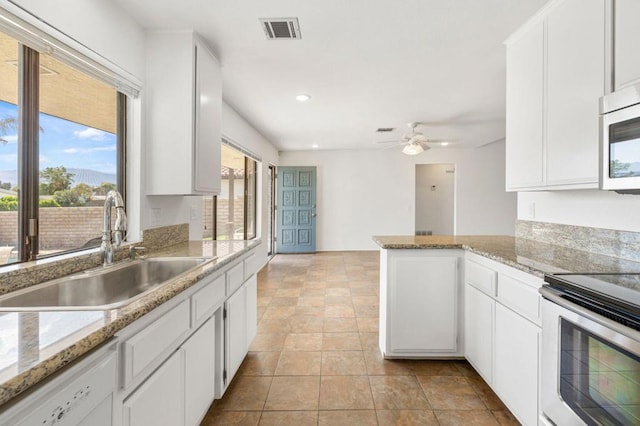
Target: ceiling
{"type": "Point", "coordinates": [366, 63]}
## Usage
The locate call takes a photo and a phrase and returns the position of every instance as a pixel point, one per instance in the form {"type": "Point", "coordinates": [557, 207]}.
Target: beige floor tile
{"type": "Point", "coordinates": [345, 393]}
{"type": "Point", "coordinates": [369, 341]}
{"type": "Point", "coordinates": [305, 324]}
{"type": "Point", "coordinates": [279, 312]}
{"type": "Point", "coordinates": [340, 325]}
{"type": "Point", "coordinates": [364, 291]}
{"type": "Point", "coordinates": [466, 418]}
{"type": "Point", "coordinates": [338, 311]}
{"type": "Point", "coordinates": [241, 418]}
{"type": "Point", "coordinates": [283, 301]}
{"type": "Point", "coordinates": [303, 342]}
{"type": "Point", "coordinates": [310, 301]}
{"type": "Point", "coordinates": [315, 284]}
{"type": "Point", "coordinates": [362, 311]}
{"type": "Point", "coordinates": [377, 366]}
{"type": "Point", "coordinates": [486, 394]}
{"type": "Point", "coordinates": [504, 417]}
{"type": "Point", "coordinates": [368, 325]}
{"type": "Point", "coordinates": [341, 342]}
{"type": "Point", "coordinates": [313, 311]}
{"type": "Point", "coordinates": [343, 363]}
{"type": "Point", "coordinates": [338, 300]}
{"type": "Point", "coordinates": [293, 393]}
{"type": "Point", "coordinates": [289, 418]}
{"type": "Point", "coordinates": [246, 393]}
{"type": "Point", "coordinates": [268, 342]}
{"type": "Point", "coordinates": [450, 393]}
{"type": "Point", "coordinates": [433, 368]}
{"type": "Point", "coordinates": [406, 418]}
{"type": "Point", "coordinates": [365, 301]}
{"type": "Point", "coordinates": [274, 326]}
{"type": "Point", "coordinates": [466, 369]}
{"type": "Point", "coordinates": [338, 292]}
{"type": "Point", "coordinates": [260, 364]}
{"type": "Point", "coordinates": [264, 300]}
{"type": "Point", "coordinates": [347, 417]}
{"type": "Point", "coordinates": [312, 291]}
{"type": "Point", "coordinates": [398, 392]}
{"type": "Point", "coordinates": [288, 292]}
{"type": "Point", "coordinates": [298, 363]}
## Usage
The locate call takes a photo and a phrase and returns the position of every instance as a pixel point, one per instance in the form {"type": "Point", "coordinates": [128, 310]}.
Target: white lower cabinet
{"type": "Point", "coordinates": [502, 332]}
{"type": "Point", "coordinates": [241, 324]}
{"type": "Point", "coordinates": [160, 399]}
{"type": "Point", "coordinates": [479, 312]}
{"type": "Point", "coordinates": [517, 345]}
{"type": "Point", "coordinates": [200, 372]}
{"type": "Point", "coordinates": [419, 303]}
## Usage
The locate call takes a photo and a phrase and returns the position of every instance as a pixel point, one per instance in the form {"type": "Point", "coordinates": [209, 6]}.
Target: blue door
{"type": "Point", "coordinates": [296, 210]}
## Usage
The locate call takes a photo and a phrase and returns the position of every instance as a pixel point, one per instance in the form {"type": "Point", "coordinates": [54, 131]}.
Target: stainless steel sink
{"type": "Point", "coordinates": [100, 289]}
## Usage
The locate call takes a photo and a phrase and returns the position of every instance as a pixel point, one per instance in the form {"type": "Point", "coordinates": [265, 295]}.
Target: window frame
{"type": "Point", "coordinates": [28, 154]}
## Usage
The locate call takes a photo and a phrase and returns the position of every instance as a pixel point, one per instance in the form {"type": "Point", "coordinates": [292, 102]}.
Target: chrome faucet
{"type": "Point", "coordinates": [115, 237]}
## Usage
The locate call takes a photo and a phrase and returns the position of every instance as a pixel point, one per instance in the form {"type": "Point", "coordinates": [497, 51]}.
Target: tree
{"type": "Point", "coordinates": [7, 124]}
{"type": "Point", "coordinates": [67, 198]}
{"type": "Point", "coordinates": [56, 179]}
{"type": "Point", "coordinates": [5, 185]}
{"type": "Point", "coordinates": [84, 191]}
{"type": "Point", "coordinates": [104, 188]}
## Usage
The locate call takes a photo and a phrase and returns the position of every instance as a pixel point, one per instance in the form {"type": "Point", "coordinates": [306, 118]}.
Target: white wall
{"type": "Point", "coordinates": [592, 208]}
{"type": "Point", "coordinates": [372, 192]}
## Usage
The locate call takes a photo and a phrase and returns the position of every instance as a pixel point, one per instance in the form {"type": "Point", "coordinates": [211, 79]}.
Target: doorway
{"type": "Point", "coordinates": [296, 223]}
{"type": "Point", "coordinates": [271, 233]}
{"type": "Point", "coordinates": [435, 199]}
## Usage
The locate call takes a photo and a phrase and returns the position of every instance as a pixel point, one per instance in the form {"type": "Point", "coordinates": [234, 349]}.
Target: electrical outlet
{"type": "Point", "coordinates": [532, 210]}
{"type": "Point", "coordinates": [155, 216]}
{"type": "Point", "coordinates": [194, 213]}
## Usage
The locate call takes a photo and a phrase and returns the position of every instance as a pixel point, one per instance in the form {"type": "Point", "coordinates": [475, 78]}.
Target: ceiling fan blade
{"type": "Point", "coordinates": [389, 141]}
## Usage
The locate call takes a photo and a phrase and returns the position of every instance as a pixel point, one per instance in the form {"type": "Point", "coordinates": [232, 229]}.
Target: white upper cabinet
{"type": "Point", "coordinates": [555, 77]}
{"type": "Point", "coordinates": [575, 83]}
{"type": "Point", "coordinates": [525, 96]}
{"type": "Point", "coordinates": [626, 36]}
{"type": "Point", "coordinates": [183, 98]}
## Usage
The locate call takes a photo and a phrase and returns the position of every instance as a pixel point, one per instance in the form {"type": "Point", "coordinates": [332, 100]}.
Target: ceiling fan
{"type": "Point", "coordinates": [415, 142]}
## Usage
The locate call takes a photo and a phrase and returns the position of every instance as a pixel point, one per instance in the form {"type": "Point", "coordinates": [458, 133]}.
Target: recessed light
{"type": "Point", "coordinates": [303, 97]}
{"type": "Point", "coordinates": [444, 143]}
{"type": "Point", "coordinates": [315, 145]}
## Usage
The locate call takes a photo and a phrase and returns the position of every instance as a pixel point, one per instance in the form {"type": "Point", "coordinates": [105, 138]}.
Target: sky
{"type": "Point", "coordinates": [62, 143]}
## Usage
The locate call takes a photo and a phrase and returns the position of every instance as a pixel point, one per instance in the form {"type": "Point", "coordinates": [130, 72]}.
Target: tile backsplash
{"type": "Point", "coordinates": [608, 242]}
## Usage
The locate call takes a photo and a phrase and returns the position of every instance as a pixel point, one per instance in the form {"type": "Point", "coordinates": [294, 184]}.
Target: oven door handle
{"type": "Point", "coordinates": [555, 296]}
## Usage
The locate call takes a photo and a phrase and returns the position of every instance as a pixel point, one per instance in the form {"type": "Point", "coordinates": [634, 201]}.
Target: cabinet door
{"type": "Point", "coordinates": [208, 101]}
{"type": "Point", "coordinates": [627, 34]}
{"type": "Point", "coordinates": [423, 303]}
{"type": "Point", "coordinates": [199, 352]}
{"type": "Point", "coordinates": [478, 331]}
{"type": "Point", "coordinates": [236, 331]}
{"type": "Point", "coordinates": [160, 399]}
{"type": "Point", "coordinates": [575, 82]}
{"type": "Point", "coordinates": [524, 142]}
{"type": "Point", "coordinates": [251, 288]}
{"type": "Point", "coordinates": [517, 343]}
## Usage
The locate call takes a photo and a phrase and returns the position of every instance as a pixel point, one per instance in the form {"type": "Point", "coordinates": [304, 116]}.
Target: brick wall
{"type": "Point", "coordinates": [61, 228]}
{"type": "Point", "coordinates": [223, 216]}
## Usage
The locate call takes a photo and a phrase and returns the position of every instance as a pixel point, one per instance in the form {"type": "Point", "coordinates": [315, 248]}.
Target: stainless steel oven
{"type": "Point", "coordinates": [620, 140]}
{"type": "Point", "coordinates": [591, 350]}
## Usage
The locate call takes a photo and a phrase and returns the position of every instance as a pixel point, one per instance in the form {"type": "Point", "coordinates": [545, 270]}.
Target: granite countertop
{"type": "Point", "coordinates": [34, 345]}
{"type": "Point", "coordinates": [529, 256]}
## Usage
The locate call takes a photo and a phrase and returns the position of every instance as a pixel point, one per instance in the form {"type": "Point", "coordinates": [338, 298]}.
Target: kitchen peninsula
{"type": "Point", "coordinates": [475, 297]}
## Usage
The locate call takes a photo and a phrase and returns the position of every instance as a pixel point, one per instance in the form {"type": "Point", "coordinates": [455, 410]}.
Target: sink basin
{"type": "Point", "coordinates": [99, 289]}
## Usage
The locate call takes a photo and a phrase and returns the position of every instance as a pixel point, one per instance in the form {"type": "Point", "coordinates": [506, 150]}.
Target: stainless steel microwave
{"type": "Point", "coordinates": [620, 141]}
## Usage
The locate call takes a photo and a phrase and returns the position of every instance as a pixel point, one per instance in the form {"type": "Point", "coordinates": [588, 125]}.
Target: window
{"type": "Point", "coordinates": [231, 215]}
{"type": "Point", "coordinates": [61, 151]}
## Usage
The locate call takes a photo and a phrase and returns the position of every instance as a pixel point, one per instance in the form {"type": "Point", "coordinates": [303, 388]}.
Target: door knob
{"type": "Point", "coordinates": [313, 215]}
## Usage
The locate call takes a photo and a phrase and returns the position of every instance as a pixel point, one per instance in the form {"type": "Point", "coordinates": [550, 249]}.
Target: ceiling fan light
{"type": "Point", "coordinates": [412, 149]}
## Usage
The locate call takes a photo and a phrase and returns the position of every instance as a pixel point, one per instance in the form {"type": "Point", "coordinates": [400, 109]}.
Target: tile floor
{"type": "Point", "coordinates": [315, 360]}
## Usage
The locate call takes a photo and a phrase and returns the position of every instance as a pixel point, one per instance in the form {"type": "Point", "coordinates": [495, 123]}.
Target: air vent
{"type": "Point", "coordinates": [385, 129]}
{"type": "Point", "coordinates": [281, 28]}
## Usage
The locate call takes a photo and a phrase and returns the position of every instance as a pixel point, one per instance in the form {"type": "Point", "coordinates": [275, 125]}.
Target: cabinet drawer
{"type": "Point", "coordinates": [251, 265]}
{"type": "Point", "coordinates": [519, 296]}
{"type": "Point", "coordinates": [146, 349]}
{"type": "Point", "coordinates": [207, 299]}
{"type": "Point", "coordinates": [235, 278]}
{"type": "Point", "coordinates": [482, 278]}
